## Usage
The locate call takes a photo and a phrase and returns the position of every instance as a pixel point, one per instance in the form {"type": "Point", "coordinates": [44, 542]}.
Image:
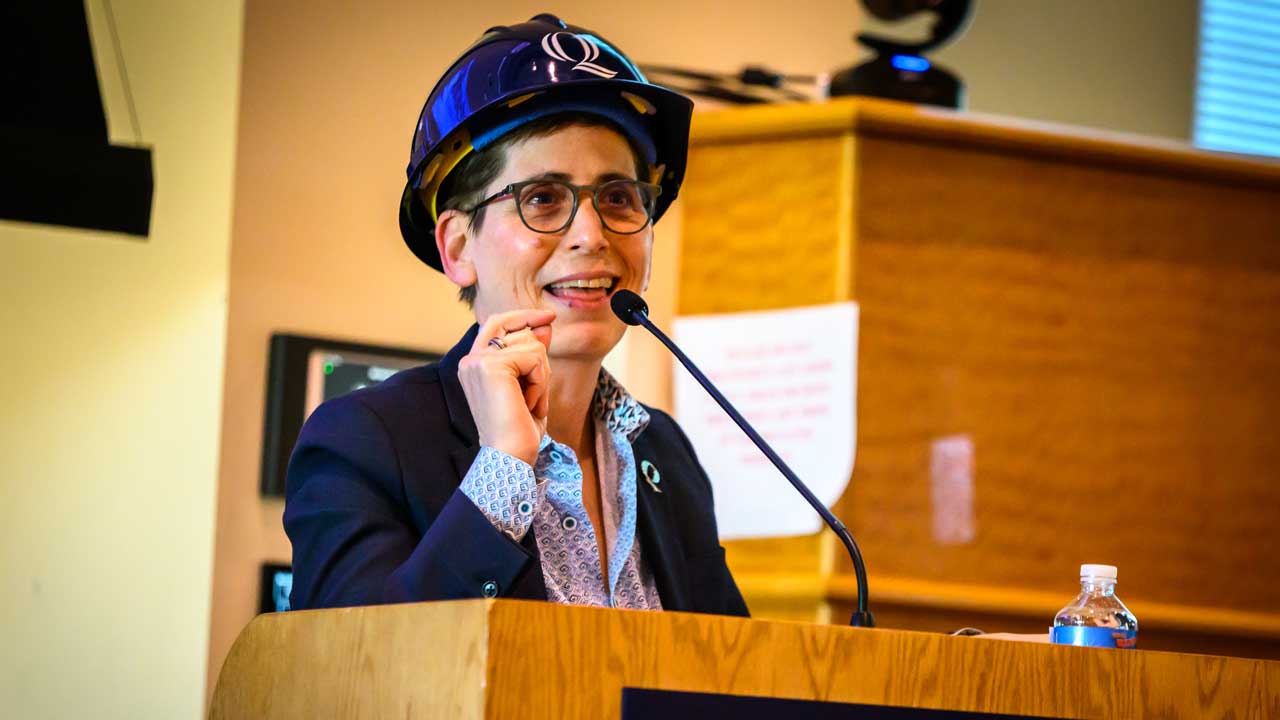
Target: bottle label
{"type": "Point", "coordinates": [1095, 637]}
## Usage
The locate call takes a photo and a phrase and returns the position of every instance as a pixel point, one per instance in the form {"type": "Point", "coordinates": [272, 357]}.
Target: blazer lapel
{"type": "Point", "coordinates": [659, 536]}
{"type": "Point", "coordinates": [456, 400]}
{"type": "Point", "coordinates": [464, 426]}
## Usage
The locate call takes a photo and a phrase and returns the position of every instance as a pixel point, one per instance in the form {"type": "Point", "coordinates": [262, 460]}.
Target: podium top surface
{"type": "Point", "coordinates": [505, 658]}
{"type": "Point", "coordinates": [887, 118]}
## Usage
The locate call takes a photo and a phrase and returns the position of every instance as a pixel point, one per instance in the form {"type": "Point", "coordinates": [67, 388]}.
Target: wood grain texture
{"type": "Point", "coordinates": [554, 661]}
{"type": "Point", "coordinates": [1112, 350]}
{"type": "Point", "coordinates": [374, 662]}
{"type": "Point", "coordinates": [766, 215]}
{"type": "Point", "coordinates": [1099, 314]}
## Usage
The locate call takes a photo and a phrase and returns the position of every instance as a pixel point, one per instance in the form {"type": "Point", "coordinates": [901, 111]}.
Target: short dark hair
{"type": "Point", "coordinates": [464, 186]}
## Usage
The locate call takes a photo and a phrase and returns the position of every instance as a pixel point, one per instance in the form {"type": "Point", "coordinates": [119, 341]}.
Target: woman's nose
{"type": "Point", "coordinates": [587, 232]}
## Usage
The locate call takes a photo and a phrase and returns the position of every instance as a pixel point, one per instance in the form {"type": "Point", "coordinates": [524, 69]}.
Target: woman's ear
{"type": "Point", "coordinates": [453, 244]}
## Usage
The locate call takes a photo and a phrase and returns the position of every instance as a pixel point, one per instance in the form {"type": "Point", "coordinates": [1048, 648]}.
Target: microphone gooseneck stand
{"type": "Point", "coordinates": [632, 310]}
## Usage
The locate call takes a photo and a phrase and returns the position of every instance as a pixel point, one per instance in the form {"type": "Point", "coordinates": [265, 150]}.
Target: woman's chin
{"type": "Point", "coordinates": [585, 339]}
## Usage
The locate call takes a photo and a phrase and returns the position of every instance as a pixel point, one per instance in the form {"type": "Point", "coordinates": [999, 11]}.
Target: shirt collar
{"type": "Point", "coordinates": [619, 411]}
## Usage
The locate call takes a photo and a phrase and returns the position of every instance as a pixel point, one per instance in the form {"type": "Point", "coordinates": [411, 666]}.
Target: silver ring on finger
{"type": "Point", "coordinates": [497, 343]}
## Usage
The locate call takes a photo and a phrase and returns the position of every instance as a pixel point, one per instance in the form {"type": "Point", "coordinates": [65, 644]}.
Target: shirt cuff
{"type": "Point", "coordinates": [505, 489]}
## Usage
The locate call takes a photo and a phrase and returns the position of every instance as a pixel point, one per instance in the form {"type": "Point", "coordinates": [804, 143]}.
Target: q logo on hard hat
{"type": "Point", "coordinates": [590, 51]}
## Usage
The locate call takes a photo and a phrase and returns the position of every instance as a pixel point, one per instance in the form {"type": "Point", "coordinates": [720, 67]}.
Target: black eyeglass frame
{"type": "Point", "coordinates": [513, 191]}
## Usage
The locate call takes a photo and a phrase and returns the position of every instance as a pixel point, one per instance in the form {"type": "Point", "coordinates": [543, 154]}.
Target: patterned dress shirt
{"type": "Point", "coordinates": [548, 498]}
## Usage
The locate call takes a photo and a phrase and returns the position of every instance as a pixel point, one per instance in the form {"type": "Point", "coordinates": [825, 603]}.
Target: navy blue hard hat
{"type": "Point", "coordinates": [516, 74]}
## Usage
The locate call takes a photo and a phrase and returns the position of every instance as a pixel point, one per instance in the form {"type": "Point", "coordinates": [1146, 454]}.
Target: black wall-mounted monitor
{"type": "Point", "coordinates": [303, 372]}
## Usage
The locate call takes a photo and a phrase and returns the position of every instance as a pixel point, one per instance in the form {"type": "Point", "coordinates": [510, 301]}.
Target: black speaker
{"type": "Point", "coordinates": [59, 168]}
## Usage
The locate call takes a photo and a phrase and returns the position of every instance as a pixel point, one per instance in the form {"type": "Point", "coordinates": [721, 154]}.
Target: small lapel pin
{"type": "Point", "coordinates": [651, 475]}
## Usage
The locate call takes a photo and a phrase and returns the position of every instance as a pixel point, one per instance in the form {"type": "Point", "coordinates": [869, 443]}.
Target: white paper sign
{"type": "Point", "coordinates": [793, 375]}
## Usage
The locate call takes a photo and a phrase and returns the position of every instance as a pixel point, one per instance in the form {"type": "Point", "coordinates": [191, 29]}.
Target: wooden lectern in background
{"type": "Point", "coordinates": [523, 660]}
{"type": "Point", "coordinates": [1097, 315]}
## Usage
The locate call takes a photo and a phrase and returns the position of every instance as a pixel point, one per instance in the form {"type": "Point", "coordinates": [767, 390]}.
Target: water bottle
{"type": "Point", "coordinates": [1096, 617]}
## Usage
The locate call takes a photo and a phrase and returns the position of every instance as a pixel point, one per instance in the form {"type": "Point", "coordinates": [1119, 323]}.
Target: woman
{"type": "Point", "coordinates": [517, 467]}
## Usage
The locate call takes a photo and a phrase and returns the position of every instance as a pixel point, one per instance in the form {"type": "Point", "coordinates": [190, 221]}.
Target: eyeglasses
{"type": "Point", "coordinates": [625, 206]}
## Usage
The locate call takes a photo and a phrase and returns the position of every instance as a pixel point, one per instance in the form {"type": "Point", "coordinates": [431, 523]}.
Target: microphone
{"type": "Point", "coordinates": [633, 310]}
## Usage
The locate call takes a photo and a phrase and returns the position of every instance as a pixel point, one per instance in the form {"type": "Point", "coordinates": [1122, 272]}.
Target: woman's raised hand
{"type": "Point", "coordinates": [509, 388]}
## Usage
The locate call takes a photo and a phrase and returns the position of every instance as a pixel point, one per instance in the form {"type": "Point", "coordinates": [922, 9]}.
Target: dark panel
{"type": "Point", "coordinates": [639, 704]}
{"type": "Point", "coordinates": [67, 180]}
{"type": "Point", "coordinates": [47, 69]}
{"type": "Point", "coordinates": [58, 167]}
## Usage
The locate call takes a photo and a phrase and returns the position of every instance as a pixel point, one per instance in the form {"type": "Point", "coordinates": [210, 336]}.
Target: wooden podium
{"type": "Point", "coordinates": [521, 659]}
{"type": "Point", "coordinates": [1095, 316]}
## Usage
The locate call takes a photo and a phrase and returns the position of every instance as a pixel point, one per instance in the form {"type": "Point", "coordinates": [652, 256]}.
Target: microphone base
{"type": "Point", "coordinates": [862, 619]}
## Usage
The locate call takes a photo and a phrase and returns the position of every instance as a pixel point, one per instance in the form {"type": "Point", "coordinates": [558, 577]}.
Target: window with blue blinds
{"type": "Point", "coordinates": [1238, 84]}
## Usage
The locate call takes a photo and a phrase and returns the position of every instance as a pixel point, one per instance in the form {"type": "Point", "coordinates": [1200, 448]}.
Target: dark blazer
{"type": "Point", "coordinates": [375, 515]}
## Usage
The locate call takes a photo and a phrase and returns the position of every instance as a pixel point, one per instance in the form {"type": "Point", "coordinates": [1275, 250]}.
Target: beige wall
{"type": "Point", "coordinates": [330, 91]}
{"type": "Point", "coordinates": [110, 393]}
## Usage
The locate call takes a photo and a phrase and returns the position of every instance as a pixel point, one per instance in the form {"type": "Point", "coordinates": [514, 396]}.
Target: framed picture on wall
{"type": "Point", "coordinates": [303, 372]}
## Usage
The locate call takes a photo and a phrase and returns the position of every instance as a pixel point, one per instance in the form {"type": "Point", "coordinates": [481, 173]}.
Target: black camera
{"type": "Point", "coordinates": [899, 71]}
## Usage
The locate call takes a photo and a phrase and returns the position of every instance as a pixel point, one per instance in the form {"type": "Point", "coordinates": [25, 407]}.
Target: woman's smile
{"type": "Point", "coordinates": [583, 290]}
